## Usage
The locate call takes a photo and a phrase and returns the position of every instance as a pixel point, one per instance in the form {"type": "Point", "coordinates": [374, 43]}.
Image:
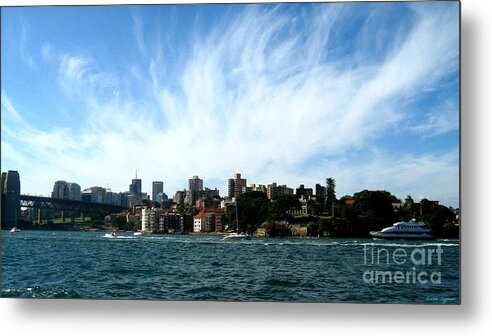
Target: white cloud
{"type": "Point", "coordinates": [256, 95]}
{"type": "Point", "coordinates": [138, 32]}
{"type": "Point", "coordinates": [9, 111]}
{"type": "Point", "coordinates": [79, 75]}
{"type": "Point", "coordinates": [439, 121]}
{"type": "Point", "coordinates": [433, 176]}
{"type": "Point", "coordinates": [47, 52]}
{"type": "Point", "coordinates": [23, 43]}
{"type": "Point", "coordinates": [73, 70]}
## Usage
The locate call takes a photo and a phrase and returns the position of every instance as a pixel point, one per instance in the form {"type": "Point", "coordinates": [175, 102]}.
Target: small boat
{"type": "Point", "coordinates": [15, 229]}
{"type": "Point", "coordinates": [137, 234]}
{"type": "Point", "coordinates": [237, 236]}
{"type": "Point", "coordinates": [404, 230]}
{"type": "Point", "coordinates": [110, 235]}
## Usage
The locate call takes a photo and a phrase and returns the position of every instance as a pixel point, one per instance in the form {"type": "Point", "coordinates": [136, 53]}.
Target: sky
{"type": "Point", "coordinates": [365, 93]}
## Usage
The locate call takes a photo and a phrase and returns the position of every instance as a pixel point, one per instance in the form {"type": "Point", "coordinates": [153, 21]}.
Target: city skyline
{"type": "Point", "coordinates": [319, 189]}
{"type": "Point", "coordinates": [365, 93]}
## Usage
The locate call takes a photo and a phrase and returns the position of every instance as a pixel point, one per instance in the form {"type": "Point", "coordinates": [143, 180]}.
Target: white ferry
{"type": "Point", "coordinates": [404, 230]}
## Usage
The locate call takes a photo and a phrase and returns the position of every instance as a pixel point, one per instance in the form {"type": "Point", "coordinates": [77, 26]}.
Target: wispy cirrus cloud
{"type": "Point", "coordinates": [9, 111]}
{"type": "Point", "coordinates": [409, 175]}
{"type": "Point", "coordinates": [138, 32]}
{"type": "Point", "coordinates": [440, 120]}
{"type": "Point", "coordinates": [47, 52]}
{"type": "Point", "coordinates": [265, 92]}
{"type": "Point", "coordinates": [58, 149]}
{"type": "Point", "coordinates": [24, 36]}
{"type": "Point", "coordinates": [80, 75]}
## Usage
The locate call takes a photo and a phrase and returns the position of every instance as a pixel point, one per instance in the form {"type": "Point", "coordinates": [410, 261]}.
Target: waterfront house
{"type": "Point", "coordinates": [199, 222]}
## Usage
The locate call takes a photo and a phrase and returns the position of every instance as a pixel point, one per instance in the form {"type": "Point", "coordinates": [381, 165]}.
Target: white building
{"type": "Point", "coordinates": [150, 219]}
{"type": "Point", "coordinates": [199, 222]}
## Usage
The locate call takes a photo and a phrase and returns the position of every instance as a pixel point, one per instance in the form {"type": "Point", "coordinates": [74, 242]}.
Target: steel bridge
{"type": "Point", "coordinates": [70, 206]}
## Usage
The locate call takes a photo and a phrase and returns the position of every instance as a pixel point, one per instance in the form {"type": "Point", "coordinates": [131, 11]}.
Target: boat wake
{"type": "Point", "coordinates": [114, 236]}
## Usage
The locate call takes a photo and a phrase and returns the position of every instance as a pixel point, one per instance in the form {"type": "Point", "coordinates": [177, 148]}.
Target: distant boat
{"type": "Point", "coordinates": [404, 230]}
{"type": "Point", "coordinates": [137, 234]}
{"type": "Point", "coordinates": [236, 235]}
{"type": "Point", "coordinates": [15, 229]}
{"type": "Point", "coordinates": [110, 235]}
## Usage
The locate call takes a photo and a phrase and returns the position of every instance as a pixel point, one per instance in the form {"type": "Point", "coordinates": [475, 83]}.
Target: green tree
{"type": "Point", "coordinates": [313, 207]}
{"type": "Point", "coordinates": [439, 218]}
{"type": "Point", "coordinates": [225, 222]}
{"type": "Point", "coordinates": [119, 223]}
{"type": "Point", "coordinates": [283, 203]}
{"type": "Point", "coordinates": [409, 206]}
{"type": "Point", "coordinates": [181, 209]}
{"type": "Point", "coordinates": [97, 224]}
{"type": "Point", "coordinates": [252, 210]}
{"type": "Point", "coordinates": [330, 195]}
{"type": "Point", "coordinates": [321, 200]}
{"type": "Point", "coordinates": [374, 210]}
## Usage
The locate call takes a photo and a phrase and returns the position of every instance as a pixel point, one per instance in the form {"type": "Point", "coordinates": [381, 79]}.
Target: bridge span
{"type": "Point", "coordinates": [70, 206]}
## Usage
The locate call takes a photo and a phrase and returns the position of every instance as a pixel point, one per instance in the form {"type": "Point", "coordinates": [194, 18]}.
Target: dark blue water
{"type": "Point", "coordinates": [187, 267]}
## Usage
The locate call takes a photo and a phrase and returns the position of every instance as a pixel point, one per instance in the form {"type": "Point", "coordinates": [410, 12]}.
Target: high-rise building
{"type": "Point", "coordinates": [94, 195]}
{"type": "Point", "coordinates": [60, 190]}
{"type": "Point", "coordinates": [236, 185]}
{"type": "Point", "coordinates": [255, 187]}
{"type": "Point", "coordinates": [274, 190]}
{"type": "Point", "coordinates": [179, 197]}
{"type": "Point", "coordinates": [124, 199]}
{"type": "Point", "coordinates": [195, 185]}
{"type": "Point", "coordinates": [4, 177]}
{"type": "Point", "coordinates": [136, 187]}
{"type": "Point", "coordinates": [230, 188]}
{"type": "Point", "coordinates": [161, 198]}
{"type": "Point", "coordinates": [111, 198]}
{"type": "Point", "coordinates": [209, 193]}
{"type": "Point", "coordinates": [66, 190]}
{"type": "Point", "coordinates": [10, 206]}
{"type": "Point", "coordinates": [304, 192]}
{"type": "Point", "coordinates": [320, 190]}
{"type": "Point", "coordinates": [74, 191]}
{"type": "Point", "coordinates": [135, 191]}
{"type": "Point", "coordinates": [157, 187]}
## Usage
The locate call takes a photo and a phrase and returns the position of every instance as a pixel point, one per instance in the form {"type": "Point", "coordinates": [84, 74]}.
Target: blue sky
{"type": "Point", "coordinates": [366, 93]}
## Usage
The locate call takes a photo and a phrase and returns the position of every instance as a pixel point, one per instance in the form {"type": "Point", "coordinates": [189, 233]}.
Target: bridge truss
{"type": "Point", "coordinates": [71, 206]}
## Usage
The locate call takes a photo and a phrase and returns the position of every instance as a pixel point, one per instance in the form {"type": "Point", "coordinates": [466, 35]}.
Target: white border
{"type": "Point", "coordinates": [86, 317]}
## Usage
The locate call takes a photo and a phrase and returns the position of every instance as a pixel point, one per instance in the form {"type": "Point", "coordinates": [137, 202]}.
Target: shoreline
{"type": "Point", "coordinates": [215, 234]}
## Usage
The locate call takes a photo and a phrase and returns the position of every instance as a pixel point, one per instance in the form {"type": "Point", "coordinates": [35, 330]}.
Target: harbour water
{"type": "Point", "coordinates": [63, 264]}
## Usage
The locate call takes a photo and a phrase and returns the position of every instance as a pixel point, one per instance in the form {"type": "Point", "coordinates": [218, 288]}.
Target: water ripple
{"type": "Point", "coordinates": [167, 267]}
